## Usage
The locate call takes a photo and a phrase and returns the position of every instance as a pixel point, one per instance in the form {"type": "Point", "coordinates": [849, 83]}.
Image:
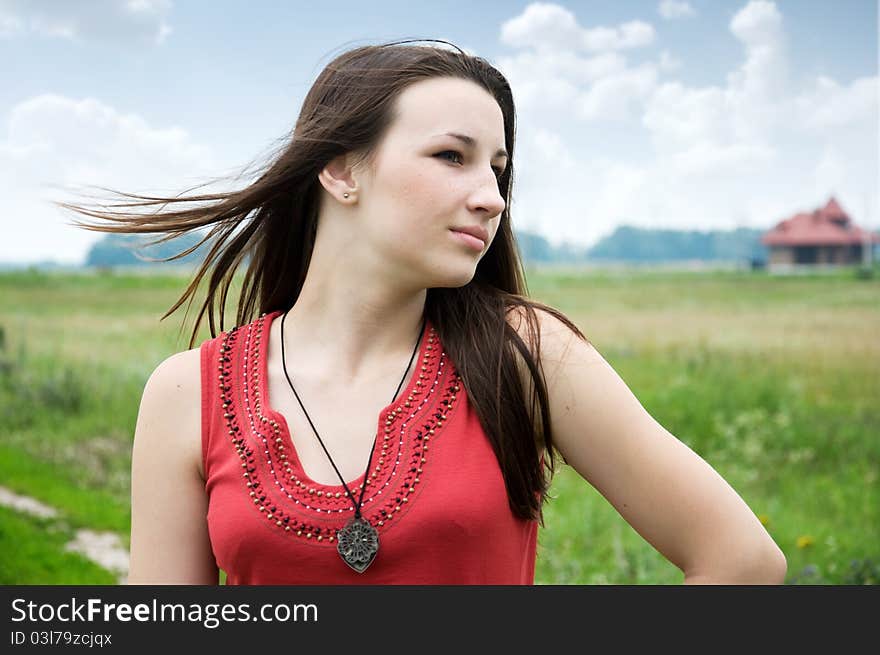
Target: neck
{"type": "Point", "coordinates": [351, 325]}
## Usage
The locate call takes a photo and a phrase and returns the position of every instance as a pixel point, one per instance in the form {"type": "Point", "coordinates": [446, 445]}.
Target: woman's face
{"type": "Point", "coordinates": [426, 185]}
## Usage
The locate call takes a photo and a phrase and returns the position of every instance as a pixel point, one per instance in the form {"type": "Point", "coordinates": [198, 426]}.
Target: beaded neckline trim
{"type": "Point", "coordinates": [286, 498]}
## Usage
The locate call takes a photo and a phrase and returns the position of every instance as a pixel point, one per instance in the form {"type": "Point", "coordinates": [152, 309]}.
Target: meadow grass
{"type": "Point", "coordinates": [33, 553]}
{"type": "Point", "coordinates": [772, 379]}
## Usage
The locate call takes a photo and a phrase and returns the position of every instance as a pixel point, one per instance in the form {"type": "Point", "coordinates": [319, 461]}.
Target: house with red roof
{"type": "Point", "coordinates": [823, 237]}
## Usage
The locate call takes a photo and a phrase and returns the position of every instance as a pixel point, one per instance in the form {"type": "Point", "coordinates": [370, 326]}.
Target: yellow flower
{"type": "Point", "coordinates": [764, 519]}
{"type": "Point", "coordinates": [804, 540]}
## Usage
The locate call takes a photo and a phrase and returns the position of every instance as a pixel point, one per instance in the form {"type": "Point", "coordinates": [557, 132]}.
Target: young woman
{"type": "Point", "coordinates": [389, 407]}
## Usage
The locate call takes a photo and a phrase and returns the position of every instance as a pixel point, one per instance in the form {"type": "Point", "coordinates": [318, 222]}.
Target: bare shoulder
{"type": "Point", "coordinates": [170, 410]}
{"type": "Point", "coordinates": [553, 346]}
{"type": "Point", "coordinates": [178, 373]}
{"type": "Point", "coordinates": [170, 543]}
{"type": "Point", "coordinates": [552, 340]}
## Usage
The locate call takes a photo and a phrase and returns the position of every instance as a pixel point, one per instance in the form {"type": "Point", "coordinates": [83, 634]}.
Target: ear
{"type": "Point", "coordinates": [339, 179]}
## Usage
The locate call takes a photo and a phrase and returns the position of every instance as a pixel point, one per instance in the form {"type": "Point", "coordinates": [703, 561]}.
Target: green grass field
{"type": "Point", "coordinates": [774, 380]}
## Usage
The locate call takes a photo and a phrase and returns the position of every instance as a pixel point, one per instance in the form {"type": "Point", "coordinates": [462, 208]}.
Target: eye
{"type": "Point", "coordinates": [449, 152]}
{"type": "Point", "coordinates": [498, 171]}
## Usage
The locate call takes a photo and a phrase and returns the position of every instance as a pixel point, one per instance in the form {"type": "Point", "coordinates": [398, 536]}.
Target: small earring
{"type": "Point", "coordinates": [345, 195]}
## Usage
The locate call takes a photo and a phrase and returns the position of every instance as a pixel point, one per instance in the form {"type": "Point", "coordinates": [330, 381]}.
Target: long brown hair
{"type": "Point", "coordinates": [271, 224]}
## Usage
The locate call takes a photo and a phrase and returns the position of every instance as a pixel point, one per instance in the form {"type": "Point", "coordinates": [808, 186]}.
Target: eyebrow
{"type": "Point", "coordinates": [464, 138]}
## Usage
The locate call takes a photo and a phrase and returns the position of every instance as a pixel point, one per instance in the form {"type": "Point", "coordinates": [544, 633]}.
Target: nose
{"type": "Point", "coordinates": [488, 196]}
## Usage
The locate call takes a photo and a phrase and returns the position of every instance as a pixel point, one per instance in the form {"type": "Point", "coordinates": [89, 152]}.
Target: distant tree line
{"type": "Point", "coordinates": [644, 245]}
{"type": "Point", "coordinates": [625, 244]}
{"type": "Point", "coordinates": [131, 250]}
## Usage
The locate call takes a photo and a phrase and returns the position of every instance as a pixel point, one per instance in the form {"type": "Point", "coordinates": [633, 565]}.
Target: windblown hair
{"type": "Point", "coordinates": [270, 225]}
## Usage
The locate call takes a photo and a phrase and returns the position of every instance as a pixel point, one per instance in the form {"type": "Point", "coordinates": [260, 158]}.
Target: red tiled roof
{"type": "Point", "coordinates": [833, 210]}
{"type": "Point", "coordinates": [829, 226]}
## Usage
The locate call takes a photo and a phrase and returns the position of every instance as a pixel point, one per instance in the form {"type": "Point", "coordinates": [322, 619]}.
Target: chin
{"type": "Point", "coordinates": [450, 277]}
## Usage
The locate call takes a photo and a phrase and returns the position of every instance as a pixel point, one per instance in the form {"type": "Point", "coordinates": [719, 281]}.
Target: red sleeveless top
{"type": "Point", "coordinates": [437, 500]}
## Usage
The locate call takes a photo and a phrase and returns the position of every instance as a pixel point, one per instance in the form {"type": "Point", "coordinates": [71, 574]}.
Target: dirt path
{"type": "Point", "coordinates": [103, 548]}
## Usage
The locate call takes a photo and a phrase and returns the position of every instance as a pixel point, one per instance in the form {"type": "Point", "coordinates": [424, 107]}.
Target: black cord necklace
{"type": "Point", "coordinates": [357, 542]}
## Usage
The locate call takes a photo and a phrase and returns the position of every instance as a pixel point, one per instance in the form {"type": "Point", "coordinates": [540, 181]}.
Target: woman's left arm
{"type": "Point", "coordinates": [671, 496]}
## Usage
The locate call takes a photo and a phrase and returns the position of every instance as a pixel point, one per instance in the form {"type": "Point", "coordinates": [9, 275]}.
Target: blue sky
{"type": "Point", "coordinates": [693, 115]}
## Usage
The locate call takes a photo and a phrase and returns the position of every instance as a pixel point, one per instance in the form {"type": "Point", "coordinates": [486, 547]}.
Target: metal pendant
{"type": "Point", "coordinates": [357, 543]}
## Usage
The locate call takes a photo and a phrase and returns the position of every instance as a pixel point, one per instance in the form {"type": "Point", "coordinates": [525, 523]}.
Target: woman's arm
{"type": "Point", "coordinates": [169, 534]}
{"type": "Point", "coordinates": [662, 488]}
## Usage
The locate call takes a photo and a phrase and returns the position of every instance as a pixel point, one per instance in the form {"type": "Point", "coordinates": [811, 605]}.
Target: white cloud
{"type": "Point", "coordinates": [749, 150]}
{"type": "Point", "coordinates": [550, 74]}
{"type": "Point", "coordinates": [9, 25]}
{"type": "Point", "coordinates": [554, 78]}
{"type": "Point", "coordinates": [550, 27]}
{"type": "Point", "coordinates": [731, 127]}
{"type": "Point", "coordinates": [758, 23]}
{"type": "Point", "coordinates": [118, 21]}
{"type": "Point", "coordinates": [579, 200]}
{"type": "Point", "coordinates": [56, 145]}
{"type": "Point", "coordinates": [708, 158]}
{"type": "Point", "coordinates": [831, 169]}
{"type": "Point", "coordinates": [679, 117]}
{"type": "Point", "coordinates": [573, 68]}
{"type": "Point", "coordinates": [551, 149]}
{"type": "Point", "coordinates": [540, 25]}
{"type": "Point", "coordinates": [765, 72]}
{"type": "Point", "coordinates": [673, 9]}
{"type": "Point", "coordinates": [830, 104]}
{"type": "Point", "coordinates": [668, 62]}
{"type": "Point", "coordinates": [745, 113]}
{"type": "Point", "coordinates": [635, 34]}
{"type": "Point", "coordinates": [618, 97]}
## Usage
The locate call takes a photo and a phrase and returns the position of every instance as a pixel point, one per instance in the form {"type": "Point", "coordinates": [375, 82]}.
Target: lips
{"type": "Point", "coordinates": [477, 231]}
